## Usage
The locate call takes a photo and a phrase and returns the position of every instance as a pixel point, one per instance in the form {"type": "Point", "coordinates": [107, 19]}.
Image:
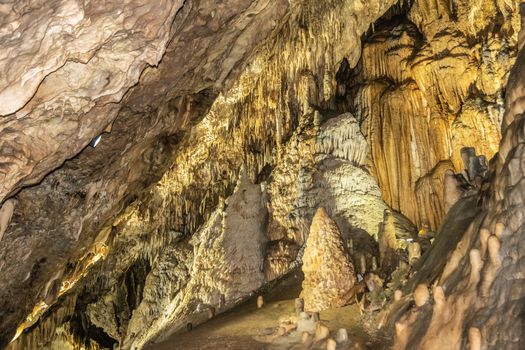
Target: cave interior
{"type": "Point", "coordinates": [254, 174]}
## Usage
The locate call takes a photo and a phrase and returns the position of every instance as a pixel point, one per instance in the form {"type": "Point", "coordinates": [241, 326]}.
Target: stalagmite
{"type": "Point", "coordinates": [299, 305]}
{"type": "Point", "coordinates": [476, 265]}
{"type": "Point", "coordinates": [331, 344]}
{"type": "Point", "coordinates": [230, 128]}
{"type": "Point", "coordinates": [388, 243]}
{"type": "Point", "coordinates": [329, 276]}
{"type": "Point", "coordinates": [414, 252]}
{"type": "Point", "coordinates": [341, 335]}
{"type": "Point", "coordinates": [362, 264]}
{"type": "Point", "coordinates": [260, 302]}
{"type": "Point", "coordinates": [494, 264]}
{"type": "Point", "coordinates": [474, 336]}
{"type": "Point", "coordinates": [499, 230]}
{"type": "Point", "coordinates": [398, 294]}
{"type": "Point", "coordinates": [484, 235]}
{"type": "Point", "coordinates": [306, 339]}
{"type": "Point", "coordinates": [321, 332]}
{"type": "Point", "coordinates": [374, 264]}
{"type": "Point", "coordinates": [421, 295]}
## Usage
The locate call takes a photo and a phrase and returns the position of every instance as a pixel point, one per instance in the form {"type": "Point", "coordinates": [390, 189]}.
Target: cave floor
{"type": "Point", "coordinates": [237, 329]}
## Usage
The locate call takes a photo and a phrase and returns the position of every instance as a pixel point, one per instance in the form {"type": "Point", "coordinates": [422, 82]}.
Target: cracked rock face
{"type": "Point", "coordinates": [75, 69]}
{"type": "Point", "coordinates": [64, 76]}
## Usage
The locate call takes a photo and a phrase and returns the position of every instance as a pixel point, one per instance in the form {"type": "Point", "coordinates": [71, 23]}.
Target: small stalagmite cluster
{"type": "Point", "coordinates": [359, 162]}
{"type": "Point", "coordinates": [479, 289]}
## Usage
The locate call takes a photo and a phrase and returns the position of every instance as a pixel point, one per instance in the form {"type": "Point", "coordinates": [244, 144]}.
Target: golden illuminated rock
{"type": "Point", "coordinates": [414, 91]}
{"type": "Point", "coordinates": [315, 104]}
{"type": "Point", "coordinates": [329, 275]}
{"type": "Point", "coordinates": [483, 274]}
{"type": "Point", "coordinates": [74, 61]}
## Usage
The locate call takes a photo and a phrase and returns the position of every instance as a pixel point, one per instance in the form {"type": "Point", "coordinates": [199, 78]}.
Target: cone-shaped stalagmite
{"type": "Point", "coordinates": [329, 275]}
{"type": "Point", "coordinates": [388, 243]}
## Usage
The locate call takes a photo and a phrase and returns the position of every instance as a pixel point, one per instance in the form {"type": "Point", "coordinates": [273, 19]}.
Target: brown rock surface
{"type": "Point", "coordinates": [191, 94]}
{"type": "Point", "coordinates": [79, 58]}
{"type": "Point", "coordinates": [329, 275]}
{"type": "Point", "coordinates": [197, 168]}
{"type": "Point", "coordinates": [424, 89]}
{"type": "Point", "coordinates": [479, 294]}
{"type": "Point", "coordinates": [112, 42]}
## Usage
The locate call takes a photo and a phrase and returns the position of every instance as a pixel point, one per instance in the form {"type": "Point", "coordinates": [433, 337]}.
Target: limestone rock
{"type": "Point", "coordinates": [454, 187]}
{"type": "Point", "coordinates": [329, 275]}
{"type": "Point", "coordinates": [227, 261]}
{"type": "Point", "coordinates": [321, 332]}
{"type": "Point", "coordinates": [245, 83]}
{"type": "Point", "coordinates": [327, 170]}
{"type": "Point", "coordinates": [77, 64]}
{"type": "Point", "coordinates": [341, 137]}
{"type": "Point", "coordinates": [178, 57]}
{"type": "Point", "coordinates": [388, 243]}
{"type": "Point", "coordinates": [412, 92]}
{"type": "Point", "coordinates": [79, 58]}
{"type": "Point", "coordinates": [331, 344]}
{"type": "Point", "coordinates": [486, 264]}
{"type": "Point", "coordinates": [341, 335]}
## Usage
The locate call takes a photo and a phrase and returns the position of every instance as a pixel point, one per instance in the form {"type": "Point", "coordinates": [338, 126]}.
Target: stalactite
{"type": "Point", "coordinates": [413, 92]}
{"type": "Point", "coordinates": [44, 332]}
{"type": "Point", "coordinates": [341, 137]}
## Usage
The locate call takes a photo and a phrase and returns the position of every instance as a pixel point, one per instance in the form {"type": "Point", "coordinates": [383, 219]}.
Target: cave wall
{"type": "Point", "coordinates": [477, 300]}
{"type": "Point", "coordinates": [431, 80]}
{"type": "Point", "coordinates": [177, 147]}
{"type": "Point", "coordinates": [89, 59]}
{"type": "Point", "coordinates": [97, 184]}
{"type": "Point", "coordinates": [193, 182]}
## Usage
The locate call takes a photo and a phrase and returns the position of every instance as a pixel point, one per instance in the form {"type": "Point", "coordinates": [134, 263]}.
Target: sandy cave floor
{"type": "Point", "coordinates": [237, 329]}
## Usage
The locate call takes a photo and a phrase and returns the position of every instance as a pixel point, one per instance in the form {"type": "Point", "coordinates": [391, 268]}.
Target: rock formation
{"type": "Point", "coordinates": [413, 92]}
{"type": "Point", "coordinates": [329, 275]}
{"type": "Point", "coordinates": [224, 126]}
{"type": "Point", "coordinates": [78, 67]}
{"type": "Point", "coordinates": [476, 300]}
{"type": "Point", "coordinates": [6, 212]}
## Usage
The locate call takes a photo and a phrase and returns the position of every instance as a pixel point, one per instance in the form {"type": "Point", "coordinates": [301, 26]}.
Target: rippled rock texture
{"type": "Point", "coordinates": [225, 126]}
{"type": "Point", "coordinates": [427, 85]}
{"type": "Point", "coordinates": [476, 302]}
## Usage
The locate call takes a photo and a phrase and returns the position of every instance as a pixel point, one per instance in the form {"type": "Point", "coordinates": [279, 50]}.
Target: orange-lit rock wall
{"type": "Point", "coordinates": [429, 83]}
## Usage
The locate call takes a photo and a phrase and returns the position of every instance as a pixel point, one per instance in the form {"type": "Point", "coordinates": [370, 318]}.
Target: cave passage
{"type": "Point", "coordinates": [251, 174]}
